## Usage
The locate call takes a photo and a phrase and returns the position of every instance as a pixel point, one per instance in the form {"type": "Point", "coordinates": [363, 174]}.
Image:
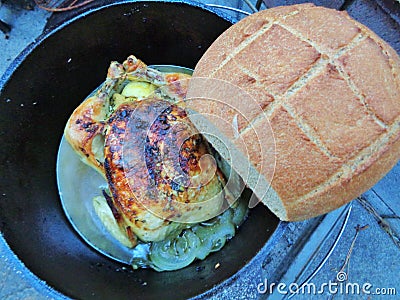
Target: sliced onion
{"type": "Point", "coordinates": [213, 237]}
{"type": "Point", "coordinates": [173, 254]}
{"type": "Point", "coordinates": [198, 242]}
{"type": "Point", "coordinates": [240, 212]}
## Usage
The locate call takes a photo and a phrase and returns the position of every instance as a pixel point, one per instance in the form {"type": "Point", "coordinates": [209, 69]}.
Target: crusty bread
{"type": "Point", "coordinates": [328, 91]}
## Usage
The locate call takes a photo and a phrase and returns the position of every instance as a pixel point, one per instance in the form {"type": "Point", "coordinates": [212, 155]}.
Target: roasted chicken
{"type": "Point", "coordinates": [161, 175]}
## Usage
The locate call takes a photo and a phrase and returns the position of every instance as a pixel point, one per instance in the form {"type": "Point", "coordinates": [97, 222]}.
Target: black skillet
{"type": "Point", "coordinates": [38, 93]}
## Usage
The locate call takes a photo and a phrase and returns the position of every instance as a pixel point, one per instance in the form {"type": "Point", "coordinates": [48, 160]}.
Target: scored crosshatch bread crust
{"type": "Point", "coordinates": [330, 91]}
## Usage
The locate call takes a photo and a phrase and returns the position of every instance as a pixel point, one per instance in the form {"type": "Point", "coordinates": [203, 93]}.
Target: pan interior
{"type": "Point", "coordinates": [39, 93]}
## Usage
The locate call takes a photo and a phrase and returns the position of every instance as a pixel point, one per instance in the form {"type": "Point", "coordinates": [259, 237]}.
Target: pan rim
{"type": "Point", "coordinates": [14, 65]}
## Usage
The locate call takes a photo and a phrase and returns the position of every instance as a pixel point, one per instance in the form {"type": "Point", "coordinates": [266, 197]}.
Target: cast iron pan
{"type": "Point", "coordinates": [39, 92]}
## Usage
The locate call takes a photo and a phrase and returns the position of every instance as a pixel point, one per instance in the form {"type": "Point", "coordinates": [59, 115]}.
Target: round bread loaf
{"type": "Point", "coordinates": [329, 90]}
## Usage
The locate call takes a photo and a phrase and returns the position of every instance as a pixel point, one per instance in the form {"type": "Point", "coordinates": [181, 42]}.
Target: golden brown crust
{"type": "Point", "coordinates": [319, 26]}
{"type": "Point", "coordinates": [379, 94]}
{"type": "Point", "coordinates": [336, 117]}
{"type": "Point", "coordinates": [300, 164]}
{"type": "Point", "coordinates": [349, 186]}
{"type": "Point", "coordinates": [330, 90]}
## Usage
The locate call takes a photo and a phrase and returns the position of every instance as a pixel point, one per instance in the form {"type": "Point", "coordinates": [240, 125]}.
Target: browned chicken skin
{"type": "Point", "coordinates": [158, 167]}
